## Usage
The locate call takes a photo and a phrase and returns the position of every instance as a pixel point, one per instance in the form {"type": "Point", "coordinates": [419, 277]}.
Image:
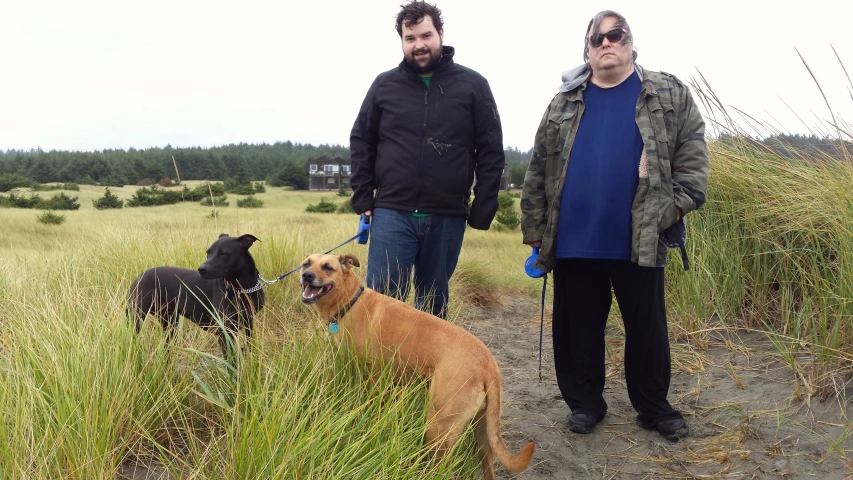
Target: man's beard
{"type": "Point", "coordinates": [432, 63]}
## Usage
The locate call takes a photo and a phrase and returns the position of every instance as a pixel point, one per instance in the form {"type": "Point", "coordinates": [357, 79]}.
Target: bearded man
{"type": "Point", "coordinates": [425, 131]}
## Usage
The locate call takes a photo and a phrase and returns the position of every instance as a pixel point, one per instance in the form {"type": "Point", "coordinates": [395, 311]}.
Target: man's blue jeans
{"type": "Point", "coordinates": [400, 243]}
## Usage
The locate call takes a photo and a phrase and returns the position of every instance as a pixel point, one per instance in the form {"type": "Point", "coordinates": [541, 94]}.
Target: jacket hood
{"type": "Point", "coordinates": [579, 75]}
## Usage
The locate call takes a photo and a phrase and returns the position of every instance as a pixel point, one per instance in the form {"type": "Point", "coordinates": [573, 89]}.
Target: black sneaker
{"type": "Point", "coordinates": [582, 422]}
{"type": "Point", "coordinates": [669, 429]}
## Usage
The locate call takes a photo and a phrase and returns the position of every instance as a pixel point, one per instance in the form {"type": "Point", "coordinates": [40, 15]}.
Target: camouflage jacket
{"type": "Point", "coordinates": [673, 173]}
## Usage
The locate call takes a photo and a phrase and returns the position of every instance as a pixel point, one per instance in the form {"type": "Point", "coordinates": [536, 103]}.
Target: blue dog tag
{"type": "Point", "coordinates": [333, 327]}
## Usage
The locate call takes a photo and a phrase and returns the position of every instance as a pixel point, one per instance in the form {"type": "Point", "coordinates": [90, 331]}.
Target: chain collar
{"type": "Point", "coordinates": [258, 286]}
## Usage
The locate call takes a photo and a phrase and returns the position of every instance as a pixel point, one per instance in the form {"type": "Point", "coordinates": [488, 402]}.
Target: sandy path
{"type": "Point", "coordinates": [756, 431]}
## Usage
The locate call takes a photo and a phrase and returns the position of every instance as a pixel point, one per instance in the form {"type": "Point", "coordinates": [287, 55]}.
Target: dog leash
{"type": "Point", "coordinates": [542, 324]}
{"type": "Point", "coordinates": [534, 272]}
{"type": "Point", "coordinates": [362, 236]}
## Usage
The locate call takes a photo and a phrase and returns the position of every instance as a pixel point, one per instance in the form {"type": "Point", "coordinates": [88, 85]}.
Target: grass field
{"type": "Point", "coordinates": [81, 395]}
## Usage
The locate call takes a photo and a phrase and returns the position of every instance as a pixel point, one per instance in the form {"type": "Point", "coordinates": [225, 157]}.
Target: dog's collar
{"type": "Point", "coordinates": [258, 286]}
{"type": "Point", "coordinates": [333, 326]}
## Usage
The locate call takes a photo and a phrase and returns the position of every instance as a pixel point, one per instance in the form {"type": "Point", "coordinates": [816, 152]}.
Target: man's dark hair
{"type": "Point", "coordinates": [411, 14]}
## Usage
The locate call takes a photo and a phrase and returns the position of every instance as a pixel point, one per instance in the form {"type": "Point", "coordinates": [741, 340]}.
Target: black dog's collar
{"type": "Point", "coordinates": [230, 287]}
{"type": "Point", "coordinates": [333, 326]}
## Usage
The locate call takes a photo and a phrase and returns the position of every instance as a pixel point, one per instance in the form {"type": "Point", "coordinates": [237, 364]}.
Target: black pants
{"type": "Point", "coordinates": [582, 299]}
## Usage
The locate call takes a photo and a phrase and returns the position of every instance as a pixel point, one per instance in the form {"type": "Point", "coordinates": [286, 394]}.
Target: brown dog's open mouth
{"type": "Point", "coordinates": [311, 294]}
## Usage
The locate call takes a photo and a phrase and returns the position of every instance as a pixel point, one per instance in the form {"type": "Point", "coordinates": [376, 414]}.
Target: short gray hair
{"type": "Point", "coordinates": [595, 26]}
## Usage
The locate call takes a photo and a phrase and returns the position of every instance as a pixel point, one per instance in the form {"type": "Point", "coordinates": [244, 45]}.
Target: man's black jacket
{"type": "Point", "coordinates": [419, 148]}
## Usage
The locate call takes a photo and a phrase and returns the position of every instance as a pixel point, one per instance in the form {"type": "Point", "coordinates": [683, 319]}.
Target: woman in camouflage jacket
{"type": "Point", "coordinates": [660, 150]}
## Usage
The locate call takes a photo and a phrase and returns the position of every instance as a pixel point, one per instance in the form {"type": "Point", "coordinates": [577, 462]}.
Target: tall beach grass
{"type": "Point", "coordinates": [81, 394]}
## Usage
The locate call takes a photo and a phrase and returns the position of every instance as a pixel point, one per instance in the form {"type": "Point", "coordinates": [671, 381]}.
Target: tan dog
{"type": "Point", "coordinates": [466, 382]}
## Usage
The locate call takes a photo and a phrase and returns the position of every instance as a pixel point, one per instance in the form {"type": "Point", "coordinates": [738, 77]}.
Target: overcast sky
{"type": "Point", "coordinates": [87, 75]}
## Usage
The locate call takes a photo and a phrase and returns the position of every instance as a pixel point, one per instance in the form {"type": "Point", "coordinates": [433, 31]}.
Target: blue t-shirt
{"type": "Point", "coordinates": [602, 176]}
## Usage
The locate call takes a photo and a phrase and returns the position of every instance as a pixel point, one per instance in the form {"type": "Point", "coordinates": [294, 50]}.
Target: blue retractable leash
{"type": "Point", "coordinates": [363, 229]}
{"type": "Point", "coordinates": [534, 272]}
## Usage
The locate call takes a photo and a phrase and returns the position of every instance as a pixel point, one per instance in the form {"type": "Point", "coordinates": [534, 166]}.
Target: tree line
{"type": "Point", "coordinates": [279, 164]}
{"type": "Point", "coordinates": [118, 167]}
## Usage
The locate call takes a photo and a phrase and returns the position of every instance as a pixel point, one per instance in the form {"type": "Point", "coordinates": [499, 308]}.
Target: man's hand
{"type": "Point", "coordinates": [367, 213]}
{"type": "Point", "coordinates": [536, 244]}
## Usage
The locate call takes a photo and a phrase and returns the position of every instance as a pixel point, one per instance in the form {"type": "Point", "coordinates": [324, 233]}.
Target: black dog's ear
{"type": "Point", "coordinates": [247, 240]}
{"type": "Point", "coordinates": [348, 260]}
{"type": "Point", "coordinates": [223, 235]}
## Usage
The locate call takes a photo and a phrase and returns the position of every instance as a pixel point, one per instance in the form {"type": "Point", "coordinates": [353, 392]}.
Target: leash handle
{"type": "Point", "coordinates": [529, 267]}
{"type": "Point", "coordinates": [363, 229]}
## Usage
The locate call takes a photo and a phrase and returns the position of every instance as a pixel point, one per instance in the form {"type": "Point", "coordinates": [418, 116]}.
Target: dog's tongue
{"type": "Point", "coordinates": [310, 292]}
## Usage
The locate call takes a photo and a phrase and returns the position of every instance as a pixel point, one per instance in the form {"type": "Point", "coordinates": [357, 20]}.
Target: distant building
{"type": "Point", "coordinates": [505, 177]}
{"type": "Point", "coordinates": [326, 173]}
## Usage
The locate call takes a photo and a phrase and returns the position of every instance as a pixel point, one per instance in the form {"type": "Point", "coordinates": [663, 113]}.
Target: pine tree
{"type": "Point", "coordinates": [109, 200]}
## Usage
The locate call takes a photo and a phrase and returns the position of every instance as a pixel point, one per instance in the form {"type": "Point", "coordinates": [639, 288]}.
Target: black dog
{"type": "Point", "coordinates": [223, 284]}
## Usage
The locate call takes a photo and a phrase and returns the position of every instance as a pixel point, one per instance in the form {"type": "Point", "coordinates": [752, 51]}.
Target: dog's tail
{"type": "Point", "coordinates": [492, 419]}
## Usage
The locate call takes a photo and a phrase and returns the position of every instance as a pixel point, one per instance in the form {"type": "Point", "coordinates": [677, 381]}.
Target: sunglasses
{"type": "Point", "coordinates": [612, 36]}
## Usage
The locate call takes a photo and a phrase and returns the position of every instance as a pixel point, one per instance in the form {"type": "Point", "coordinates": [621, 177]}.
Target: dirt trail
{"type": "Point", "coordinates": [736, 398]}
